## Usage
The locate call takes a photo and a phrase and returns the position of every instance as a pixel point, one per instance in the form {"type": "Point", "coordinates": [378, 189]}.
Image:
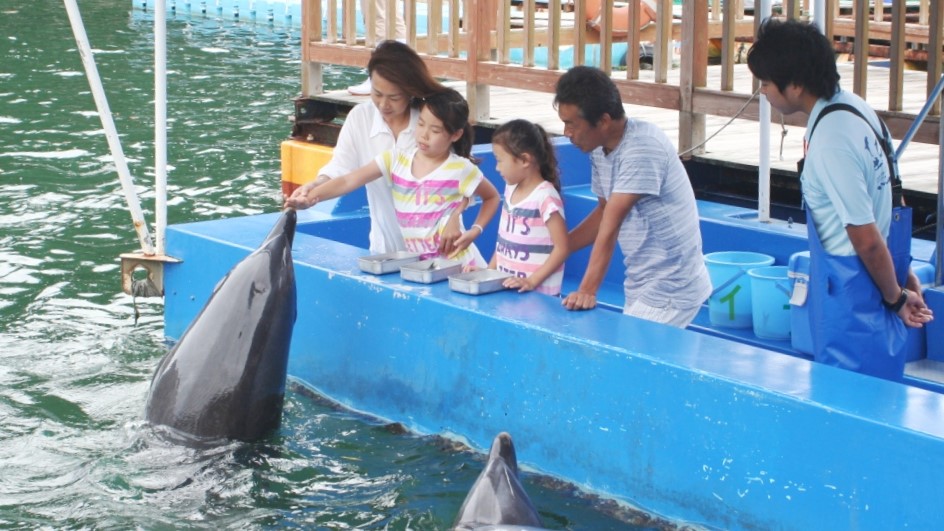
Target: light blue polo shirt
{"type": "Point", "coordinates": [845, 178]}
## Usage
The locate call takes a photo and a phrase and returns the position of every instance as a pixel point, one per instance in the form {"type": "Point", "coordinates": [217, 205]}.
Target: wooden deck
{"type": "Point", "coordinates": [735, 144]}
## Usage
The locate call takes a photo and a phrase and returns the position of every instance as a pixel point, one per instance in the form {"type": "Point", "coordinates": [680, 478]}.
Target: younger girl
{"type": "Point", "coordinates": [532, 234]}
{"type": "Point", "coordinates": [430, 183]}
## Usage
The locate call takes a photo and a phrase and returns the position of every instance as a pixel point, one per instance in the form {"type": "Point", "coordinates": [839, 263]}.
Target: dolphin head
{"type": "Point", "coordinates": [284, 228]}
{"type": "Point", "coordinates": [225, 377]}
{"type": "Point", "coordinates": [497, 497]}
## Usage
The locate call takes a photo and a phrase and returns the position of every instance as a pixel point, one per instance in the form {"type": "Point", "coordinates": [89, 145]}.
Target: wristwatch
{"type": "Point", "coordinates": [895, 306]}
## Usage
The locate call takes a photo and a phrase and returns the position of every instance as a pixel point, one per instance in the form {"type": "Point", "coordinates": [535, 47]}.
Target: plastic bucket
{"type": "Point", "coordinates": [770, 297]}
{"type": "Point", "coordinates": [730, 301]}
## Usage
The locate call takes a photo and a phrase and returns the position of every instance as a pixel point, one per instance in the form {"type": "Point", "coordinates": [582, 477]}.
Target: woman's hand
{"type": "Point", "coordinates": [301, 198]}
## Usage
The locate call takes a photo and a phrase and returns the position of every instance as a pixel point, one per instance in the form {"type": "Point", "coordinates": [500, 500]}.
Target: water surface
{"type": "Point", "coordinates": [75, 363]}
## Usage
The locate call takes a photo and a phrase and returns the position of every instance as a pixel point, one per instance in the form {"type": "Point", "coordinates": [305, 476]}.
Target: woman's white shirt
{"type": "Point", "coordinates": [363, 136]}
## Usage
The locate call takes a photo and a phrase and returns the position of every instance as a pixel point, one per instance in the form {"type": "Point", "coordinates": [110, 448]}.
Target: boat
{"type": "Point", "coordinates": [709, 425]}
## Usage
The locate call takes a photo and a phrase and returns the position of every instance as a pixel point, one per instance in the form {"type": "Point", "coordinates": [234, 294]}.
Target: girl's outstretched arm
{"type": "Point", "coordinates": [310, 194]}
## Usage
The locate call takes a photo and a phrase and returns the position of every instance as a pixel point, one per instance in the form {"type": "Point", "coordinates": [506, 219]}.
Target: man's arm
{"type": "Point", "coordinates": [870, 246]}
{"type": "Point", "coordinates": [611, 215]}
{"type": "Point", "coordinates": [586, 231]}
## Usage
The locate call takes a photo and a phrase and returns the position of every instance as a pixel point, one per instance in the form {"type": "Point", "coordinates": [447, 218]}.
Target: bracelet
{"type": "Point", "coordinates": [894, 307]}
{"type": "Point", "coordinates": [477, 226]}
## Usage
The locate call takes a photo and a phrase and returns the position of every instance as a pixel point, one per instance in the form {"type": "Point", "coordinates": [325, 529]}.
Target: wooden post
{"type": "Point", "coordinates": [504, 33]}
{"type": "Point", "coordinates": [553, 34]}
{"type": "Point", "coordinates": [728, 31]}
{"type": "Point", "coordinates": [936, 26]}
{"type": "Point", "coordinates": [453, 28]}
{"type": "Point", "coordinates": [370, 37]}
{"type": "Point", "coordinates": [632, 41]}
{"type": "Point", "coordinates": [528, 22]}
{"type": "Point", "coordinates": [349, 31]}
{"type": "Point", "coordinates": [663, 48]}
{"type": "Point", "coordinates": [312, 72]}
{"type": "Point", "coordinates": [606, 36]}
{"type": "Point", "coordinates": [481, 17]}
{"type": "Point", "coordinates": [829, 24]}
{"type": "Point", "coordinates": [860, 71]}
{"type": "Point", "coordinates": [580, 36]}
{"type": "Point", "coordinates": [896, 56]}
{"type": "Point", "coordinates": [694, 73]}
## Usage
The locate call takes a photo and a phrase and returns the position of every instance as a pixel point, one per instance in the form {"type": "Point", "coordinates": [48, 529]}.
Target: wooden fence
{"type": "Point", "coordinates": [498, 43]}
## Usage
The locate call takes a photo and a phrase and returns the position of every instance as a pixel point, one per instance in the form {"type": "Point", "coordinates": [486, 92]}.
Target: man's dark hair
{"type": "Point", "coordinates": [591, 91]}
{"type": "Point", "coordinates": [790, 52]}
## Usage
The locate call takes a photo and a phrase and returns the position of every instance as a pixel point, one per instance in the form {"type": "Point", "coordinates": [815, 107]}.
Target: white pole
{"type": "Point", "coordinates": [104, 112]}
{"type": "Point", "coordinates": [160, 124]}
{"type": "Point", "coordinates": [819, 14]}
{"type": "Point", "coordinates": [763, 166]}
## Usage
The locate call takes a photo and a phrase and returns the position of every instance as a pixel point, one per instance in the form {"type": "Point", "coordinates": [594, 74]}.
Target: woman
{"type": "Point", "coordinates": [399, 81]}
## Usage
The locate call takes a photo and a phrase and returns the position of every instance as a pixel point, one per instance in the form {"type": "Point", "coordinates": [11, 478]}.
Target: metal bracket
{"type": "Point", "coordinates": [153, 265]}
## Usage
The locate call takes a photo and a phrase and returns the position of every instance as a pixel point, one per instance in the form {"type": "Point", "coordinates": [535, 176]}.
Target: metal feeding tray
{"type": "Point", "coordinates": [379, 264]}
{"type": "Point", "coordinates": [478, 282]}
{"type": "Point", "coordinates": [430, 271]}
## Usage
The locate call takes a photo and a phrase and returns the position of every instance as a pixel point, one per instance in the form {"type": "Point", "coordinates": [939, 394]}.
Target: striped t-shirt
{"type": "Point", "coordinates": [524, 242]}
{"type": "Point", "coordinates": [423, 205]}
{"type": "Point", "coordinates": [660, 237]}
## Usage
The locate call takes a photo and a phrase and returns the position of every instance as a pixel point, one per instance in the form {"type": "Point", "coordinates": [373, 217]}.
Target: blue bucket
{"type": "Point", "coordinates": [770, 296]}
{"type": "Point", "coordinates": [730, 302]}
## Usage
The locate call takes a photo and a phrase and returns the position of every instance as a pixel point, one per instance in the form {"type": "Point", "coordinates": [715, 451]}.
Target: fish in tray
{"type": "Point", "coordinates": [478, 282]}
{"type": "Point", "coordinates": [430, 271]}
{"type": "Point", "coordinates": [379, 264]}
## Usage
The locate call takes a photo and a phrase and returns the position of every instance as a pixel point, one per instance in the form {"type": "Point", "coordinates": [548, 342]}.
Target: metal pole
{"type": "Point", "coordinates": [104, 112]}
{"type": "Point", "coordinates": [939, 222]}
{"type": "Point", "coordinates": [819, 15]}
{"type": "Point", "coordinates": [763, 166]}
{"type": "Point", "coordinates": [160, 124]}
{"type": "Point", "coordinates": [919, 119]}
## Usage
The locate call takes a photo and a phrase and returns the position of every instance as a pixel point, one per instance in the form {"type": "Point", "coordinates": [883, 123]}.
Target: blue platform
{"type": "Point", "coordinates": [696, 425]}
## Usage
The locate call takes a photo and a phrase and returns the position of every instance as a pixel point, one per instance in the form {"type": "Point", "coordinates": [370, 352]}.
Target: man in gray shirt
{"type": "Point", "coordinates": [645, 202]}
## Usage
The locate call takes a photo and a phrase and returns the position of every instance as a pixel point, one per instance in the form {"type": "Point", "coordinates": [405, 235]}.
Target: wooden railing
{"type": "Point", "coordinates": [475, 40]}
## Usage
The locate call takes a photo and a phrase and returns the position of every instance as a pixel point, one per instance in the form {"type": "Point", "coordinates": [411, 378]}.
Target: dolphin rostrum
{"type": "Point", "coordinates": [497, 499]}
{"type": "Point", "coordinates": [225, 377]}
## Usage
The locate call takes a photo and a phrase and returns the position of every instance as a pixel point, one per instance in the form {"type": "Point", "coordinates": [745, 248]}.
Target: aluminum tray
{"type": "Point", "coordinates": [478, 282]}
{"type": "Point", "coordinates": [430, 271]}
{"type": "Point", "coordinates": [379, 264]}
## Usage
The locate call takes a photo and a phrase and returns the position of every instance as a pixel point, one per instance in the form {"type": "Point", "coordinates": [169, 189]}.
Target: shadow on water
{"type": "Point", "coordinates": [75, 366]}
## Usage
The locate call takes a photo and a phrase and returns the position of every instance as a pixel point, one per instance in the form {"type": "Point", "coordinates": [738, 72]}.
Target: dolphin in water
{"type": "Point", "coordinates": [497, 499]}
{"type": "Point", "coordinates": [225, 377]}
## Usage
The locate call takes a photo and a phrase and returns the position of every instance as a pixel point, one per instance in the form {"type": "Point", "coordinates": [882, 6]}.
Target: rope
{"type": "Point", "coordinates": [722, 128]}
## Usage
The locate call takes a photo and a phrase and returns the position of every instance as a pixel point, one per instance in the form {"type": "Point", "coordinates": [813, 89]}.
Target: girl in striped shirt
{"type": "Point", "coordinates": [431, 183]}
{"type": "Point", "coordinates": [532, 234]}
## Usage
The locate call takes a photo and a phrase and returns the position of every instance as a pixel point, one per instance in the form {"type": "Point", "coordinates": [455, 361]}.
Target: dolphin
{"type": "Point", "coordinates": [225, 377]}
{"type": "Point", "coordinates": [497, 499]}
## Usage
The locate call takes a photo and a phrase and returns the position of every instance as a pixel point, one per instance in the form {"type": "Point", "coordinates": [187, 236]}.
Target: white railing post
{"type": "Point", "coordinates": [763, 161]}
{"type": "Point", "coordinates": [160, 125]}
{"type": "Point", "coordinates": [111, 134]}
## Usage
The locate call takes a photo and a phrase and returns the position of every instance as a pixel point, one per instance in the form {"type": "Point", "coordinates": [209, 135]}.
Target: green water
{"type": "Point", "coordinates": [75, 365]}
